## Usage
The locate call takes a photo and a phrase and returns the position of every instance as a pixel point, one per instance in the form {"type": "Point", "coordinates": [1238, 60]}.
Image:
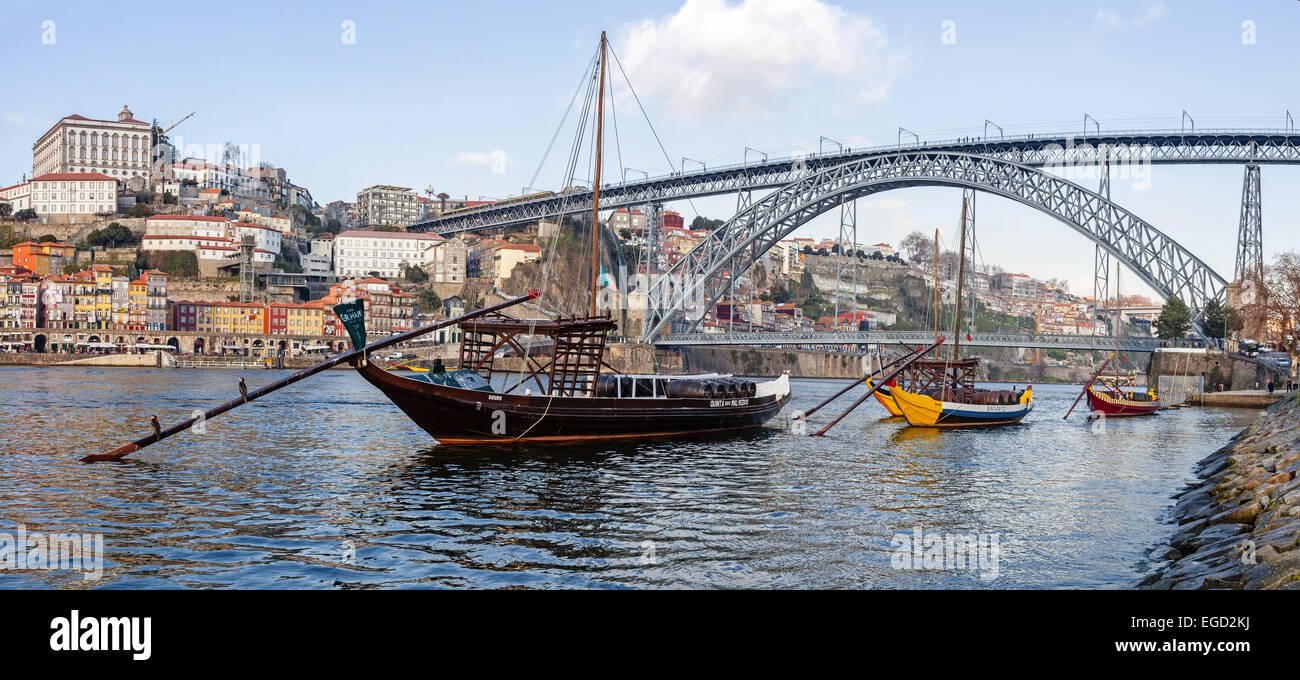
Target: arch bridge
{"type": "Point", "coordinates": [690, 287]}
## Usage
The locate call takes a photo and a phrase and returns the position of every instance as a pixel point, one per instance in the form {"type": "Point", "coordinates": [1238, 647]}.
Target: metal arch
{"type": "Point", "coordinates": [1268, 147]}
{"type": "Point", "coordinates": [694, 283]}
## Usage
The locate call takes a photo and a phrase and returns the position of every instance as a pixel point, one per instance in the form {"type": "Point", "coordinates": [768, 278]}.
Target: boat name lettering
{"type": "Point", "coordinates": [729, 402]}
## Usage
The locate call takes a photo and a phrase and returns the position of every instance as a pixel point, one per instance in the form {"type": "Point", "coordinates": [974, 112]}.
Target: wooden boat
{"type": "Point", "coordinates": [1115, 395]}
{"type": "Point", "coordinates": [942, 393]}
{"type": "Point", "coordinates": [574, 401]}
{"type": "Point", "coordinates": [575, 398]}
{"type": "Point", "coordinates": [1112, 399]}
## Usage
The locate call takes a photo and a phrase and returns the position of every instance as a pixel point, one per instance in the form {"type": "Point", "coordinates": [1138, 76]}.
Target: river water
{"type": "Point", "coordinates": [326, 485]}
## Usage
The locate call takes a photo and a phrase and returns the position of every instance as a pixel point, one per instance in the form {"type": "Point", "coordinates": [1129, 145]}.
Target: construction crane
{"type": "Point", "coordinates": [159, 137]}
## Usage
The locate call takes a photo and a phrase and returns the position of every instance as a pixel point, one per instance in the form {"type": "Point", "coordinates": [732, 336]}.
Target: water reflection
{"type": "Point", "coordinates": [326, 485]}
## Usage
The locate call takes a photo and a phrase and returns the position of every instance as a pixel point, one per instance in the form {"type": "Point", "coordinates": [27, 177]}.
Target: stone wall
{"type": "Point", "coordinates": [1234, 371]}
{"type": "Point", "coordinates": [751, 361]}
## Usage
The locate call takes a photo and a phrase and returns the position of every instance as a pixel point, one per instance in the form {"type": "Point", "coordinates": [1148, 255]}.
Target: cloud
{"type": "Point", "coordinates": [1109, 19]}
{"type": "Point", "coordinates": [495, 160]}
{"type": "Point", "coordinates": [24, 120]}
{"type": "Point", "coordinates": [713, 57]}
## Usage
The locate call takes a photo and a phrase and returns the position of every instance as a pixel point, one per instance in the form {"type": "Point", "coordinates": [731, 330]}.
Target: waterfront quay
{"type": "Point", "coordinates": [83, 341]}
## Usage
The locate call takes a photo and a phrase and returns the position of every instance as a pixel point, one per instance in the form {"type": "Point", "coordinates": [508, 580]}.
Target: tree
{"type": "Point", "coordinates": [6, 209]}
{"type": "Point", "coordinates": [170, 199]}
{"type": "Point", "coordinates": [1281, 290]}
{"type": "Point", "coordinates": [1174, 320]}
{"type": "Point", "coordinates": [48, 238]}
{"type": "Point", "coordinates": [26, 214]}
{"type": "Point", "coordinates": [412, 273]}
{"type": "Point", "coordinates": [701, 222]}
{"type": "Point", "coordinates": [1216, 319]}
{"type": "Point", "coordinates": [111, 236]}
{"type": "Point", "coordinates": [138, 210]}
{"type": "Point", "coordinates": [918, 246]}
{"type": "Point", "coordinates": [429, 301]}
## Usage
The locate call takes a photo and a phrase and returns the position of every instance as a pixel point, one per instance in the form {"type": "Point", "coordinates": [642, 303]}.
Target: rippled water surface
{"type": "Point", "coordinates": [276, 493]}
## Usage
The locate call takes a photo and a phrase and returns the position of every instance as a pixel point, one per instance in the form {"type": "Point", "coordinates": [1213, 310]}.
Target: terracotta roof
{"type": "Point", "coordinates": [391, 234]}
{"type": "Point", "coordinates": [201, 218]}
{"type": "Point", "coordinates": [65, 176]}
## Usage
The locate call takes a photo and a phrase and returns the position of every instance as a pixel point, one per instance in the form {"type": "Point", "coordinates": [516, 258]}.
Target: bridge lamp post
{"type": "Point", "coordinates": [1290, 122]}
{"type": "Point", "coordinates": [684, 159]}
{"type": "Point", "coordinates": [987, 123]}
{"type": "Point", "coordinates": [745, 162]}
{"type": "Point", "coordinates": [822, 140]}
{"type": "Point", "coordinates": [1184, 120]}
{"type": "Point", "coordinates": [916, 137]}
{"type": "Point", "coordinates": [1087, 118]}
{"type": "Point", "coordinates": [644, 174]}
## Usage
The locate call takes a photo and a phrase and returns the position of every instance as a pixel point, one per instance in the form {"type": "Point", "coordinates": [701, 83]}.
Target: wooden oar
{"type": "Point", "coordinates": [245, 396]}
{"type": "Point", "coordinates": [907, 361]}
{"type": "Point", "coordinates": [852, 385]}
{"type": "Point", "coordinates": [1089, 384]}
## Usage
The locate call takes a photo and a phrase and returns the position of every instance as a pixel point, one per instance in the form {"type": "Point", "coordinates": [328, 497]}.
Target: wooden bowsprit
{"type": "Point", "coordinates": [907, 360]}
{"type": "Point", "coordinates": [245, 396]}
{"type": "Point", "coordinates": [853, 384]}
{"type": "Point", "coordinates": [1087, 385]}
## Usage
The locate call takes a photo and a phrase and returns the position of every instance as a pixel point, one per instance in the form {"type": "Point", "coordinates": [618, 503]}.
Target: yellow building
{"type": "Point", "coordinates": [103, 296]}
{"type": "Point", "coordinates": [137, 305]}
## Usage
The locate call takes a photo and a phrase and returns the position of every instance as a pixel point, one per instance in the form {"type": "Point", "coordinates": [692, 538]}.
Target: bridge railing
{"type": "Point", "coordinates": [1027, 340]}
{"type": "Point", "coordinates": [961, 141]}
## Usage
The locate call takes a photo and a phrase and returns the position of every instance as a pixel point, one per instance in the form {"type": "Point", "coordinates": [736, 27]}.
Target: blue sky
{"type": "Point", "coordinates": [428, 92]}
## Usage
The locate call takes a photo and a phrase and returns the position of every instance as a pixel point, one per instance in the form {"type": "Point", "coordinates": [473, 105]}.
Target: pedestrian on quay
{"type": "Point", "coordinates": [1270, 385]}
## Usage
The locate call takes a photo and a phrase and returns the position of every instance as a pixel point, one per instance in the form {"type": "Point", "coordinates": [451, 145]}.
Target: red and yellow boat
{"type": "Point", "coordinates": [1110, 397]}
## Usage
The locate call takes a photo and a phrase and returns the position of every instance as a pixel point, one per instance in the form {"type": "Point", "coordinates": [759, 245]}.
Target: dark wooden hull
{"type": "Point", "coordinates": [460, 416]}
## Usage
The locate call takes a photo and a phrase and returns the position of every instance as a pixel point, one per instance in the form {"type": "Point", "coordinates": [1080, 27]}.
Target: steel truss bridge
{"type": "Point", "coordinates": [1030, 169]}
{"type": "Point", "coordinates": [700, 277]}
{"type": "Point", "coordinates": [1159, 147]}
{"type": "Point", "coordinates": [1098, 343]}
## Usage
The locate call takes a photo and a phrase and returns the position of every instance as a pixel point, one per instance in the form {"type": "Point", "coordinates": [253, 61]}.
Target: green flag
{"type": "Point", "coordinates": [353, 316]}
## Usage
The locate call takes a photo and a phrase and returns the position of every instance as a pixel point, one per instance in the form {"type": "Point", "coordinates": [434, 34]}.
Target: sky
{"type": "Point", "coordinates": [465, 97]}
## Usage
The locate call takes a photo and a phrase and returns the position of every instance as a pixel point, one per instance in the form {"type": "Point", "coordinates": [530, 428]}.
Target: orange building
{"type": "Point", "coordinates": [44, 258]}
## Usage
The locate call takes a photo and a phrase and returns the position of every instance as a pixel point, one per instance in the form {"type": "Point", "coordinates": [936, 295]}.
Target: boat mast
{"type": "Point", "coordinates": [961, 274]}
{"type": "Point", "coordinates": [1117, 389]}
{"type": "Point", "coordinates": [595, 189]}
{"type": "Point", "coordinates": [936, 285]}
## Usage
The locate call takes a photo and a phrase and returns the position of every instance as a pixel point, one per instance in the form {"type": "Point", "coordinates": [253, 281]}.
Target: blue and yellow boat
{"type": "Point", "coordinates": [942, 394]}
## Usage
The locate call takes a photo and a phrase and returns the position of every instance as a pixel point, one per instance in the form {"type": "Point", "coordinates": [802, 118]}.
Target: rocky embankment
{"type": "Point", "coordinates": [1239, 526]}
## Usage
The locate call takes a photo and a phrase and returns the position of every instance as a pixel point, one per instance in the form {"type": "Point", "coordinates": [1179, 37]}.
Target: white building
{"type": "Point", "coordinates": [265, 238]}
{"type": "Point", "coordinates": [623, 219]}
{"type": "Point", "coordinates": [447, 261]}
{"type": "Point", "coordinates": [74, 196]}
{"type": "Point", "coordinates": [357, 253]}
{"type": "Point", "coordinates": [18, 196]}
{"type": "Point", "coordinates": [118, 148]}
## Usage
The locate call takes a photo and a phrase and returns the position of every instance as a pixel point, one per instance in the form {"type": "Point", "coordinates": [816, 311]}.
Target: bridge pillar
{"type": "Point", "coordinates": [1101, 259]}
{"type": "Point", "coordinates": [1248, 273]}
{"type": "Point", "coordinates": [849, 234]}
{"type": "Point", "coordinates": [1250, 233]}
{"type": "Point", "coordinates": [651, 254]}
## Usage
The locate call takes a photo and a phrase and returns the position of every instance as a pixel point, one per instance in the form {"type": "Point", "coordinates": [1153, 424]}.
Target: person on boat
{"type": "Point", "coordinates": [437, 366]}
